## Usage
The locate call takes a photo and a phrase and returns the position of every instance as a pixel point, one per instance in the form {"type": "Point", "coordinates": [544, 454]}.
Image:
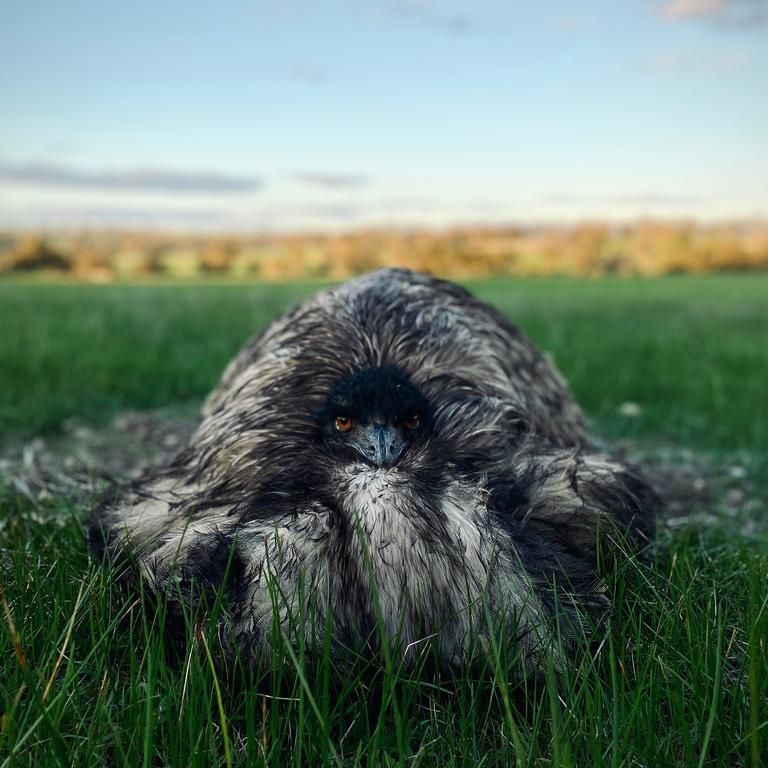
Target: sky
{"type": "Point", "coordinates": [279, 115]}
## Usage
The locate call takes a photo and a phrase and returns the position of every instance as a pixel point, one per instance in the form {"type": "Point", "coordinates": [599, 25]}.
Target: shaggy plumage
{"type": "Point", "coordinates": [493, 504]}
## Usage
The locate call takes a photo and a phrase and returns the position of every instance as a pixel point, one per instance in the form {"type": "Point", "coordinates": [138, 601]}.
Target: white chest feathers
{"type": "Point", "coordinates": [427, 557]}
{"type": "Point", "coordinates": [420, 563]}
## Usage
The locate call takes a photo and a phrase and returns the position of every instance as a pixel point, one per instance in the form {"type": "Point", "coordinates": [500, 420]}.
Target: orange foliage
{"type": "Point", "coordinates": [643, 248]}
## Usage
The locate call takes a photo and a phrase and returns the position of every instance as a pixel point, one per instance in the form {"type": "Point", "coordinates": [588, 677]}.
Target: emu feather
{"type": "Point", "coordinates": [482, 497]}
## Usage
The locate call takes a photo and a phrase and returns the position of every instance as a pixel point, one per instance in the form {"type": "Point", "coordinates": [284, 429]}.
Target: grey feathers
{"type": "Point", "coordinates": [496, 512]}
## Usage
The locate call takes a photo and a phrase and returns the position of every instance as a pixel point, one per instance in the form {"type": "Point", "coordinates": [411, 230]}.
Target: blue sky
{"type": "Point", "coordinates": [286, 115]}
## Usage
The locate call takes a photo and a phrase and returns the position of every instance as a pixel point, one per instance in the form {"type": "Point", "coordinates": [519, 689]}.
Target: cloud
{"type": "Point", "coordinates": [685, 62]}
{"type": "Point", "coordinates": [572, 22]}
{"type": "Point", "coordinates": [427, 12]}
{"type": "Point", "coordinates": [323, 210]}
{"type": "Point", "coordinates": [115, 216]}
{"type": "Point", "coordinates": [732, 13]}
{"type": "Point", "coordinates": [682, 9]}
{"type": "Point", "coordinates": [133, 180]}
{"type": "Point", "coordinates": [332, 180]}
{"type": "Point", "coordinates": [309, 74]}
{"type": "Point", "coordinates": [655, 199]}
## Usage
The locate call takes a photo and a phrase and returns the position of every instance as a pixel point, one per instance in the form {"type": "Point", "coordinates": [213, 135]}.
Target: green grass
{"type": "Point", "coordinates": [679, 678]}
{"type": "Point", "coordinates": [690, 351]}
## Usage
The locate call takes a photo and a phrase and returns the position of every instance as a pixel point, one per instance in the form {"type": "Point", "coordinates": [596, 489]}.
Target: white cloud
{"type": "Point", "coordinates": [130, 179]}
{"type": "Point", "coordinates": [709, 63]}
{"type": "Point", "coordinates": [738, 13]}
{"type": "Point", "coordinates": [687, 8]}
{"type": "Point", "coordinates": [331, 180]}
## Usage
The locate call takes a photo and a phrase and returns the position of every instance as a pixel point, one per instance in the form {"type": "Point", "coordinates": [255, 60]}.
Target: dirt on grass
{"type": "Point", "coordinates": [79, 463]}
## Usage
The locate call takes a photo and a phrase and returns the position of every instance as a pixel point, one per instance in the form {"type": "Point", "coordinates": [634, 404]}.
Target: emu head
{"type": "Point", "coordinates": [376, 415]}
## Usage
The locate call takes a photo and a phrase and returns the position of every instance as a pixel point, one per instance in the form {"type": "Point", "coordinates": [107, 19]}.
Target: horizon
{"type": "Point", "coordinates": [462, 227]}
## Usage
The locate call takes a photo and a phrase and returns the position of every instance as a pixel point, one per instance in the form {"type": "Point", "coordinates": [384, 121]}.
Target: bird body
{"type": "Point", "coordinates": [391, 459]}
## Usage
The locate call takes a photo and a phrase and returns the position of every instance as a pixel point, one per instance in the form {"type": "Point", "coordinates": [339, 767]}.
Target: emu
{"type": "Point", "coordinates": [395, 461]}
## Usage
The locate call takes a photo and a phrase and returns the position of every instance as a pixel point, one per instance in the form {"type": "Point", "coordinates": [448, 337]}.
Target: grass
{"type": "Point", "coordinates": [679, 678]}
{"type": "Point", "coordinates": [690, 351]}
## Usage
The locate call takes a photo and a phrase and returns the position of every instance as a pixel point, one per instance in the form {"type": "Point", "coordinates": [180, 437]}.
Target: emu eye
{"type": "Point", "coordinates": [412, 422]}
{"type": "Point", "coordinates": [343, 423]}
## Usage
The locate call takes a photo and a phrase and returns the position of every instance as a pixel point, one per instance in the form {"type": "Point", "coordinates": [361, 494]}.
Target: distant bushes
{"type": "Point", "coordinates": [33, 253]}
{"type": "Point", "coordinates": [642, 248]}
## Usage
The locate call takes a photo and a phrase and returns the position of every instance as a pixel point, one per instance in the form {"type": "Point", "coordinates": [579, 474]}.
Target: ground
{"type": "Point", "coordinates": [96, 381]}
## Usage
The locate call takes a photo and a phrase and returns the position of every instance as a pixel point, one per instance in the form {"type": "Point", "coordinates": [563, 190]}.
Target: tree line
{"type": "Point", "coordinates": [640, 248]}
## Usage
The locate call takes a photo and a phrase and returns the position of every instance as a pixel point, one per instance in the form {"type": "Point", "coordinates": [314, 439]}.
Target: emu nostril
{"type": "Point", "coordinates": [371, 449]}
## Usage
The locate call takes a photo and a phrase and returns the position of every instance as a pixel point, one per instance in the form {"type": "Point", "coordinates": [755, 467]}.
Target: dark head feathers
{"type": "Point", "coordinates": [385, 392]}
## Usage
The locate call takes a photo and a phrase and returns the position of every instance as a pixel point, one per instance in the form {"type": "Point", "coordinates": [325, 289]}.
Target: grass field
{"type": "Point", "coordinates": [679, 678]}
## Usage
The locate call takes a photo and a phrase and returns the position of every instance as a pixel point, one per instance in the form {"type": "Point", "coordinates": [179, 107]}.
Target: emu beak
{"type": "Point", "coordinates": [381, 445]}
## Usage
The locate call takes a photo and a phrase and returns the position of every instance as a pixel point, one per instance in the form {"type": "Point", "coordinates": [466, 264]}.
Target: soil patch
{"type": "Point", "coordinates": [77, 464]}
